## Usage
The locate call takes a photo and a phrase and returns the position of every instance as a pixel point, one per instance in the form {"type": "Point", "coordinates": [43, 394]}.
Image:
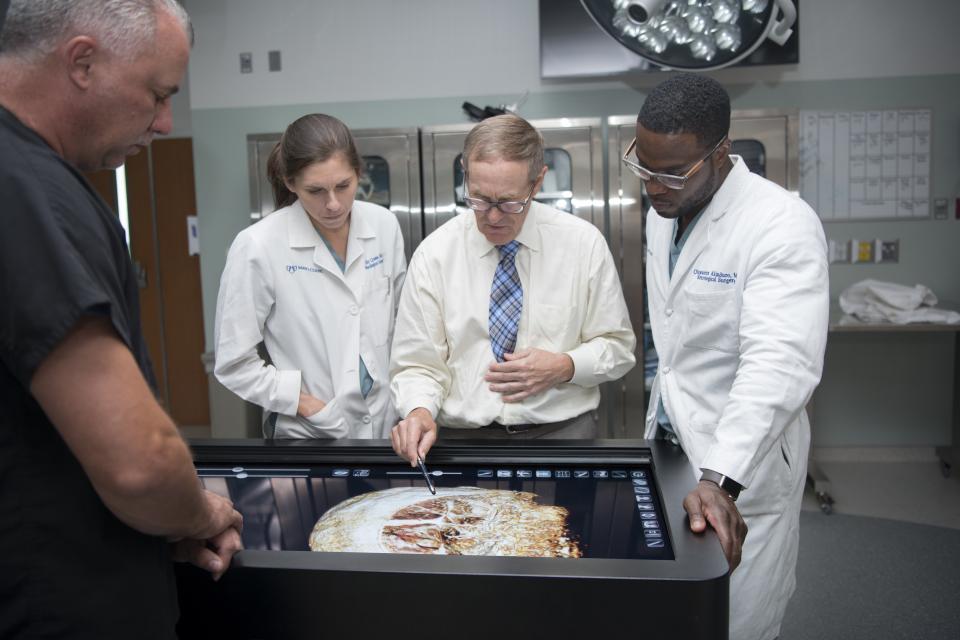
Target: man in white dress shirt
{"type": "Point", "coordinates": [510, 318]}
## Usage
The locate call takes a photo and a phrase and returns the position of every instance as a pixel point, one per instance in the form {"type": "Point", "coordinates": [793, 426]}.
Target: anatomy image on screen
{"type": "Point", "coordinates": [456, 521]}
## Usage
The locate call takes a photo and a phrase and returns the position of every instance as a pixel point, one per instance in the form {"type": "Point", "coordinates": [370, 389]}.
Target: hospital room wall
{"type": "Point", "coordinates": [224, 112]}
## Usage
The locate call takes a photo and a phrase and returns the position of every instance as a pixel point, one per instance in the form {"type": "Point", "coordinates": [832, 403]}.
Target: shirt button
{"type": "Point", "coordinates": [354, 309]}
{"type": "Point", "coordinates": [669, 312]}
{"type": "Point", "coordinates": [366, 419]}
{"type": "Point", "coordinates": [666, 370]}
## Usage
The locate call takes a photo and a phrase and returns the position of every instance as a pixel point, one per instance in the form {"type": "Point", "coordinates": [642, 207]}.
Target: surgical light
{"type": "Point", "coordinates": [694, 34]}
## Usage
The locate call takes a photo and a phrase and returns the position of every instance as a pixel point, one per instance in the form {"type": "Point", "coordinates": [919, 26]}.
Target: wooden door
{"type": "Point", "coordinates": [160, 197]}
{"type": "Point", "coordinates": [144, 254]}
{"type": "Point", "coordinates": [179, 276]}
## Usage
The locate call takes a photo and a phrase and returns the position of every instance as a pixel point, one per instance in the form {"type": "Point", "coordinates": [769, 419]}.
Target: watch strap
{"type": "Point", "coordinates": [731, 486]}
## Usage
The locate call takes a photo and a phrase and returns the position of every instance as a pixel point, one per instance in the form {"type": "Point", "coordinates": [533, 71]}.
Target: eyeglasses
{"type": "Point", "coordinates": [507, 206]}
{"type": "Point", "coordinates": [668, 180]}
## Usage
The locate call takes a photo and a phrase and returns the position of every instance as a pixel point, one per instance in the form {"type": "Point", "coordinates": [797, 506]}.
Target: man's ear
{"type": "Point", "coordinates": [78, 55]}
{"type": "Point", "coordinates": [539, 181]}
{"type": "Point", "coordinates": [723, 152]}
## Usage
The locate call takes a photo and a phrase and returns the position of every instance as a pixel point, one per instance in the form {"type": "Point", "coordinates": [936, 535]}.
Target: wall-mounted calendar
{"type": "Point", "coordinates": [858, 165]}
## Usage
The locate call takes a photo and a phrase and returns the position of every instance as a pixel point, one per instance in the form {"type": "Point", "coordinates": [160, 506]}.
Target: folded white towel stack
{"type": "Point", "coordinates": [877, 301]}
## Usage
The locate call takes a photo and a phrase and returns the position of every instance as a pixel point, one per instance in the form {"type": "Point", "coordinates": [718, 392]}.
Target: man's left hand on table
{"type": "Point", "coordinates": [709, 504]}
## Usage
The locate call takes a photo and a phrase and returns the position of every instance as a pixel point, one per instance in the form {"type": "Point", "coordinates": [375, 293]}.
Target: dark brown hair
{"type": "Point", "coordinates": [312, 138]}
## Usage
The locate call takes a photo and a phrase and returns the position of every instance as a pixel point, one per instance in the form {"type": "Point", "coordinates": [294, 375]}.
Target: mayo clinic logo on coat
{"type": "Point", "coordinates": [293, 268]}
{"type": "Point", "coordinates": [370, 263]}
{"type": "Point", "coordinates": [720, 277]}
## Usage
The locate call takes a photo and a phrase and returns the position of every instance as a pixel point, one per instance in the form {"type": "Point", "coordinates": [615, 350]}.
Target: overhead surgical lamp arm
{"type": "Point", "coordinates": [782, 29]}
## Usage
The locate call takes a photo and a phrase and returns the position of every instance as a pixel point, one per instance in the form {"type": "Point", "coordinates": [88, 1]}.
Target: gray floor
{"type": "Point", "coordinates": [886, 564]}
{"type": "Point", "coordinates": [908, 491]}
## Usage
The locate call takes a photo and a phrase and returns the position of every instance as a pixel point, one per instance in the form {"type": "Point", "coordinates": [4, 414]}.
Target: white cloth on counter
{"type": "Point", "coordinates": [878, 301]}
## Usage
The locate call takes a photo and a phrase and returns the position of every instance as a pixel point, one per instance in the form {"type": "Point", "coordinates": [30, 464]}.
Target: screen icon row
{"type": "Point", "coordinates": [541, 474]}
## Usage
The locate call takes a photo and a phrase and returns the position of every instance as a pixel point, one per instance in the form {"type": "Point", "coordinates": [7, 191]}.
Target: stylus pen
{"type": "Point", "coordinates": [426, 475]}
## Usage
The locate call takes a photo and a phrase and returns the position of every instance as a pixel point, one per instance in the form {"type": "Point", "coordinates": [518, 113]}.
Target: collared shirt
{"type": "Point", "coordinates": [572, 303]}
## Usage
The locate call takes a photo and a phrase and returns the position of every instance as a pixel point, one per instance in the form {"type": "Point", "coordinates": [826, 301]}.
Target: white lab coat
{"type": "Point", "coordinates": [282, 287]}
{"type": "Point", "coordinates": [740, 330]}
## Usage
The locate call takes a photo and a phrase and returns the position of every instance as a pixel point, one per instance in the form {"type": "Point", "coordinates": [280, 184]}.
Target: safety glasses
{"type": "Point", "coordinates": [668, 180]}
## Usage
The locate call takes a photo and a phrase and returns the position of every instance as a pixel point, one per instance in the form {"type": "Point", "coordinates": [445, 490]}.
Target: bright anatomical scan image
{"type": "Point", "coordinates": [457, 521]}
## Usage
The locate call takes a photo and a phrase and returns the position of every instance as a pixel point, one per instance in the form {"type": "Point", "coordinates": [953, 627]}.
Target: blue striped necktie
{"type": "Point", "coordinates": [506, 302]}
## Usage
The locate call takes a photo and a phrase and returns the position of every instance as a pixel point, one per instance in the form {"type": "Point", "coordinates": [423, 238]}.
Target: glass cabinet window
{"type": "Point", "coordinates": [557, 188]}
{"type": "Point", "coordinates": [753, 153]}
{"type": "Point", "coordinates": [375, 181]}
{"type": "Point", "coordinates": [458, 184]}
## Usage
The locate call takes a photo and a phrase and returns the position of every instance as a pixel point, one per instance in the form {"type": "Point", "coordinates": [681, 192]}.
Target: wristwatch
{"type": "Point", "coordinates": [731, 486]}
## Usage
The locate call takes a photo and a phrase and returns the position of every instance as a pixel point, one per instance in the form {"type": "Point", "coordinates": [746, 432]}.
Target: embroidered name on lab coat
{"type": "Point", "coordinates": [293, 268]}
{"type": "Point", "coordinates": [720, 277]}
{"type": "Point", "coordinates": [370, 263]}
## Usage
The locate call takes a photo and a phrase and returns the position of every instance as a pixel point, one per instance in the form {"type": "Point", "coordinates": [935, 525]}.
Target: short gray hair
{"type": "Point", "coordinates": [507, 137]}
{"type": "Point", "coordinates": [34, 28]}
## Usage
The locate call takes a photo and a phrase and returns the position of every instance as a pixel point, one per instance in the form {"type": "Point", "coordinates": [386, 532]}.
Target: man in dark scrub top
{"type": "Point", "coordinates": [95, 482]}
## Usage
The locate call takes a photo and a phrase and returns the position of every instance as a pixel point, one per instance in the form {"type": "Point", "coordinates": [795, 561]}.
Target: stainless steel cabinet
{"type": "Point", "coordinates": [391, 176]}
{"type": "Point", "coordinates": [574, 180]}
{"type": "Point", "coordinates": [626, 238]}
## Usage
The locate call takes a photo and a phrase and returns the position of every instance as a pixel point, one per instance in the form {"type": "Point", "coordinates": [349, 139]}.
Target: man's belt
{"type": "Point", "coordinates": [514, 429]}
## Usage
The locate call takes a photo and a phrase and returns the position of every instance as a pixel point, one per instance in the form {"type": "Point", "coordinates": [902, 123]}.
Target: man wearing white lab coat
{"type": "Point", "coordinates": [738, 296]}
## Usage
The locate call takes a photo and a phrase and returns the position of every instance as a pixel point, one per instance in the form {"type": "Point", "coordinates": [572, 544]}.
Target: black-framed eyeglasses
{"type": "Point", "coordinates": [507, 206]}
{"type": "Point", "coordinates": [669, 180]}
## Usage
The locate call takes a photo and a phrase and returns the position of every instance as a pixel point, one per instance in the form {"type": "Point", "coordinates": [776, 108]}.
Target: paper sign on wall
{"type": "Point", "coordinates": [857, 165]}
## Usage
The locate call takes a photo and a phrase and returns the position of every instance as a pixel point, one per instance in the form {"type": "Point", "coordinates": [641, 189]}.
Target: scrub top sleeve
{"type": "Point", "coordinates": [49, 281]}
{"type": "Point", "coordinates": [245, 299]}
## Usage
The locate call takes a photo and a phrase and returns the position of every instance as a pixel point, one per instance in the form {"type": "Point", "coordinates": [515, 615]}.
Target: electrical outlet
{"type": "Point", "coordinates": [273, 60]}
{"type": "Point", "coordinates": [861, 250]}
{"type": "Point", "coordinates": [940, 208]}
{"type": "Point", "coordinates": [888, 250]}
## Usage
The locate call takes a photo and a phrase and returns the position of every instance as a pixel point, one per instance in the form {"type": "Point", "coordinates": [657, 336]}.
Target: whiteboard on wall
{"type": "Point", "coordinates": [866, 165]}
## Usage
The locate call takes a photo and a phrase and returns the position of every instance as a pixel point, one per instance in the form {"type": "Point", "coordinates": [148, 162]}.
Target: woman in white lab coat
{"type": "Point", "coordinates": [309, 294]}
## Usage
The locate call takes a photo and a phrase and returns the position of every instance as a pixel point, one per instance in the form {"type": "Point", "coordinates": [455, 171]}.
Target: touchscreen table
{"type": "Point", "coordinates": [520, 538]}
{"type": "Point", "coordinates": [577, 511]}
